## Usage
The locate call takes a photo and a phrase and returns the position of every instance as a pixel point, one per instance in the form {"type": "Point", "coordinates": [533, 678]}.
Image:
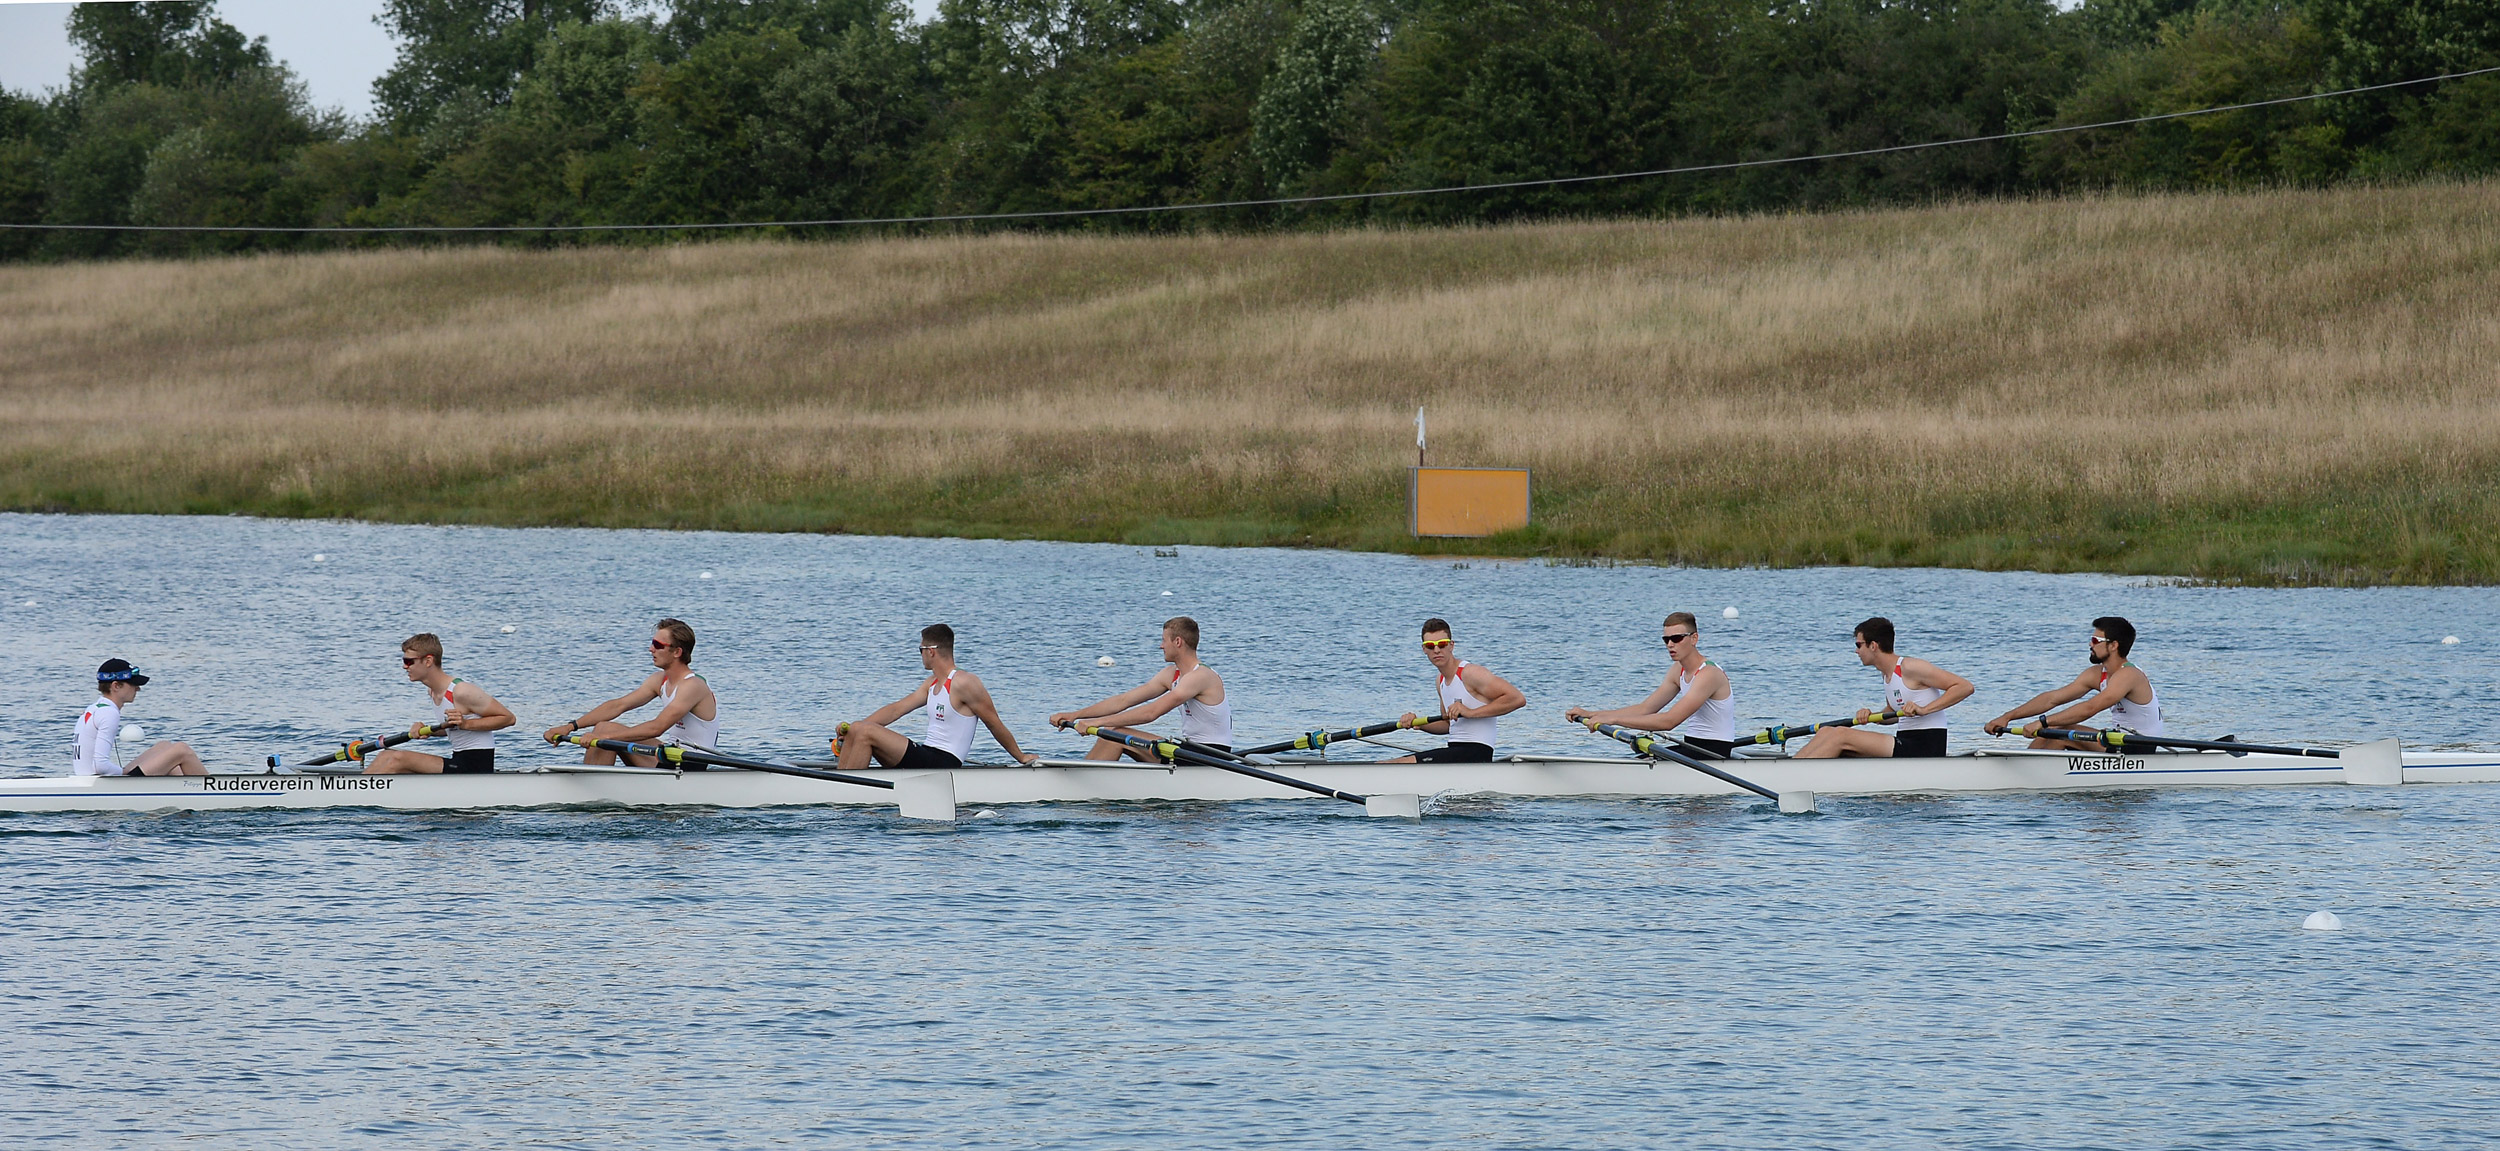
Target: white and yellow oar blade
{"type": "Point", "coordinates": [1393, 806]}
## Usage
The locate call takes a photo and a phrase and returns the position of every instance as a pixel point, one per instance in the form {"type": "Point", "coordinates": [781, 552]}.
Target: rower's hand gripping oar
{"type": "Point", "coordinates": [358, 749]}
{"type": "Point", "coordinates": [1643, 742]}
{"type": "Point", "coordinates": [1176, 751]}
{"type": "Point", "coordinates": [1785, 732]}
{"type": "Point", "coordinates": [2116, 740]}
{"type": "Point", "coordinates": [1319, 740]}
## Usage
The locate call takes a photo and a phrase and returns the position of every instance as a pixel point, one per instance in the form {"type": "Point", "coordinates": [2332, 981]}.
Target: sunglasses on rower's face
{"type": "Point", "coordinates": [408, 660]}
{"type": "Point", "coordinates": [661, 645]}
{"type": "Point", "coordinates": [1437, 644]}
{"type": "Point", "coordinates": [1672, 640]}
{"type": "Point", "coordinates": [2098, 641]}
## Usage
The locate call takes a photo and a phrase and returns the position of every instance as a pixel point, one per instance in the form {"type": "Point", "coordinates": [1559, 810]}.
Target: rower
{"type": "Point", "coordinates": [1695, 691]}
{"type": "Point", "coordinates": [1188, 685]}
{"type": "Point", "coordinates": [1914, 689]}
{"type": "Point", "coordinates": [1470, 696]}
{"type": "Point", "coordinates": [116, 684]}
{"type": "Point", "coordinates": [689, 714]}
{"type": "Point", "coordinates": [2115, 685]}
{"type": "Point", "coordinates": [468, 716]}
{"type": "Point", "coordinates": [954, 699]}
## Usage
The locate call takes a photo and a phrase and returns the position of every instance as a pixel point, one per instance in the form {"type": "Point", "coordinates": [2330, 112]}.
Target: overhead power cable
{"type": "Point", "coordinates": [1273, 202]}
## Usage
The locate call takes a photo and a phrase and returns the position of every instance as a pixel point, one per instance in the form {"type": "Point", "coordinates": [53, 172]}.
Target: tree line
{"type": "Point", "coordinates": [612, 112]}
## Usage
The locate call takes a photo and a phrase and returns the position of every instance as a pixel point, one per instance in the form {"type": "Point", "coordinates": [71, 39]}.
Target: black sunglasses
{"type": "Point", "coordinates": [1676, 639]}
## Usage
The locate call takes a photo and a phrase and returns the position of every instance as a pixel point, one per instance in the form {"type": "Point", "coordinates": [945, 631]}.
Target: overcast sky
{"type": "Point", "coordinates": [333, 44]}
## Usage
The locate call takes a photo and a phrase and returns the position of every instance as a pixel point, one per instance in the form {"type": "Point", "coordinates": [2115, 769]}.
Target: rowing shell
{"type": "Point", "coordinates": [936, 795]}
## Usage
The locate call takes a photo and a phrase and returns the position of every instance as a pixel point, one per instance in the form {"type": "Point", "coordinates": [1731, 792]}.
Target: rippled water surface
{"type": "Point", "coordinates": [2012, 970]}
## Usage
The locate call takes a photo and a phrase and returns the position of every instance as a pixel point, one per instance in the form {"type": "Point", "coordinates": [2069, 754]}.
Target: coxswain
{"type": "Point", "coordinates": [467, 715]}
{"type": "Point", "coordinates": [1914, 690]}
{"type": "Point", "coordinates": [116, 684]}
{"type": "Point", "coordinates": [689, 714]}
{"type": "Point", "coordinates": [1191, 687]}
{"type": "Point", "coordinates": [1471, 697]}
{"type": "Point", "coordinates": [2114, 685]}
{"type": "Point", "coordinates": [953, 697]}
{"type": "Point", "coordinates": [1695, 696]}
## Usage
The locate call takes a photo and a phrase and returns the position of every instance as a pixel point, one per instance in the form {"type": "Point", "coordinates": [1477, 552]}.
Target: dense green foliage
{"type": "Point", "coordinates": [615, 112]}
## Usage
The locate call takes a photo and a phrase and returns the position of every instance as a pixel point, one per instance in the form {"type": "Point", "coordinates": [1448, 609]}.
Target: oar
{"type": "Point", "coordinates": [1178, 752]}
{"type": "Point", "coordinates": [2116, 740]}
{"type": "Point", "coordinates": [1783, 733]}
{"type": "Point", "coordinates": [1317, 740]}
{"type": "Point", "coordinates": [672, 753]}
{"type": "Point", "coordinates": [1656, 748]}
{"type": "Point", "coordinates": [358, 749]}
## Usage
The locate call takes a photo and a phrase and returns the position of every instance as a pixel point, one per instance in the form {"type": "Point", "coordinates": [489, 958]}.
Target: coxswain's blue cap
{"type": "Point", "coordinates": [119, 671]}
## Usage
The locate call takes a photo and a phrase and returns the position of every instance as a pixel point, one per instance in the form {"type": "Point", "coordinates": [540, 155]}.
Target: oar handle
{"type": "Point", "coordinates": [1655, 748]}
{"type": "Point", "coordinates": [1785, 732]}
{"type": "Point", "coordinates": [357, 749]}
{"type": "Point", "coordinates": [681, 756]}
{"type": "Point", "coordinates": [1319, 740]}
{"type": "Point", "coordinates": [1177, 751]}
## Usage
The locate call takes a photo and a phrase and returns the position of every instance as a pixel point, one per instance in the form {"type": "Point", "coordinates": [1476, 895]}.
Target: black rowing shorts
{"type": "Point", "coordinates": [918, 756]}
{"type": "Point", "coordinates": [1723, 748]}
{"type": "Point", "coordinates": [1461, 752]}
{"type": "Point", "coordinates": [1918, 743]}
{"type": "Point", "coordinates": [474, 761]}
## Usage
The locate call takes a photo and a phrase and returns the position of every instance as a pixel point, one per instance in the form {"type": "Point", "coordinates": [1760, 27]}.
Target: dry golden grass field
{"type": "Point", "coordinates": [2293, 386]}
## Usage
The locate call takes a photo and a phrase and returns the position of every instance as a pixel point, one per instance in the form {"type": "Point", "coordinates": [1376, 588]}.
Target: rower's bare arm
{"type": "Point", "coordinates": [1500, 698]}
{"type": "Point", "coordinates": [1706, 683]}
{"type": "Point", "coordinates": [2042, 702]}
{"type": "Point", "coordinates": [887, 715]}
{"type": "Point", "coordinates": [2105, 700]}
{"type": "Point", "coordinates": [973, 699]}
{"type": "Point", "coordinates": [1112, 704]}
{"type": "Point", "coordinates": [1955, 688]}
{"type": "Point", "coordinates": [482, 712]}
{"type": "Point", "coordinates": [1650, 706]}
{"type": "Point", "coordinates": [1147, 712]}
{"type": "Point", "coordinates": [650, 690]}
{"type": "Point", "coordinates": [690, 695]}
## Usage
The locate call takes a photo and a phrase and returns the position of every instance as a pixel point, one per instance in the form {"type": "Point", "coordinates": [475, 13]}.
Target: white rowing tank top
{"type": "Point", "coordinates": [460, 739]}
{"type": "Point", "coordinates": [1474, 729]}
{"type": "Point", "coordinates": [2132, 717]}
{"type": "Point", "coordinates": [1898, 692]}
{"type": "Point", "coordinates": [1715, 718]}
{"type": "Point", "coordinates": [950, 731]}
{"type": "Point", "coordinates": [691, 729]}
{"type": "Point", "coordinates": [1206, 722]}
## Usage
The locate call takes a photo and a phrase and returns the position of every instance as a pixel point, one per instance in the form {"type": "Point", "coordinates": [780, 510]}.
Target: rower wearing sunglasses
{"type": "Point", "coordinates": [2114, 685]}
{"type": "Point", "coordinates": [1695, 697]}
{"type": "Point", "coordinates": [1914, 689]}
{"type": "Point", "coordinates": [689, 714]}
{"type": "Point", "coordinates": [468, 716]}
{"type": "Point", "coordinates": [1470, 696]}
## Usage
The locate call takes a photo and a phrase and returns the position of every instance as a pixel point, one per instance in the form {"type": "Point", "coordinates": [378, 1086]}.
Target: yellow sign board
{"type": "Point", "coordinates": [1467, 501]}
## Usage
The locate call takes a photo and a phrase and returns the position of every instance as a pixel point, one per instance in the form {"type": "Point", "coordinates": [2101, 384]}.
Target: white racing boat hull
{"type": "Point", "coordinates": [935, 795]}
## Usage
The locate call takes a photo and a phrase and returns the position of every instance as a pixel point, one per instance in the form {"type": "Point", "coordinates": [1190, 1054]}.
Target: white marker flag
{"type": "Point", "coordinates": [1419, 429]}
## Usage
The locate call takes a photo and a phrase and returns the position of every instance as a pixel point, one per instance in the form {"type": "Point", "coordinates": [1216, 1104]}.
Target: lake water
{"type": "Point", "coordinates": [2001, 971]}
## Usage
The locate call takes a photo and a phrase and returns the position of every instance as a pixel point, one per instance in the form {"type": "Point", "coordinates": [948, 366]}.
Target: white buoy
{"type": "Point", "coordinates": [1105, 661]}
{"type": "Point", "coordinates": [2452, 639]}
{"type": "Point", "coordinates": [2322, 921]}
{"type": "Point", "coordinates": [1728, 614]}
{"type": "Point", "coordinates": [320, 559]}
{"type": "Point", "coordinates": [1167, 593]}
{"type": "Point", "coordinates": [134, 733]}
{"type": "Point", "coordinates": [985, 813]}
{"type": "Point", "coordinates": [706, 575]}
{"type": "Point", "coordinates": [508, 629]}
{"type": "Point", "coordinates": [28, 603]}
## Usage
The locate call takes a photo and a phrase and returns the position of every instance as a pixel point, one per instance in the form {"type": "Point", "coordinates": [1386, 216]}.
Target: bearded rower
{"type": "Point", "coordinates": [1470, 696]}
{"type": "Point", "coordinates": [953, 697]}
{"type": "Point", "coordinates": [1191, 687]}
{"type": "Point", "coordinates": [689, 714]}
{"type": "Point", "coordinates": [100, 727]}
{"type": "Point", "coordinates": [468, 716]}
{"type": "Point", "coordinates": [1695, 692]}
{"type": "Point", "coordinates": [2115, 685]}
{"type": "Point", "coordinates": [1914, 689]}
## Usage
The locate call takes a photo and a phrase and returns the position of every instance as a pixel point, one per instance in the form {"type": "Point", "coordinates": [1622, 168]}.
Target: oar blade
{"type": "Point", "coordinates": [929, 797]}
{"type": "Point", "coordinates": [2379, 764]}
{"type": "Point", "coordinates": [1393, 806]}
